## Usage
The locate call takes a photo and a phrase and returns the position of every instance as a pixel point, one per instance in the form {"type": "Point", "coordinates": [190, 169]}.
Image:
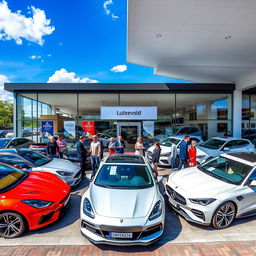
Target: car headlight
{"type": "Point", "coordinates": [202, 201]}
{"type": "Point", "coordinates": [201, 156]}
{"type": "Point", "coordinates": [65, 173]}
{"type": "Point", "coordinates": [157, 211]}
{"type": "Point", "coordinates": [37, 203]}
{"type": "Point", "coordinates": [87, 208]}
{"type": "Point", "coordinates": [166, 154]}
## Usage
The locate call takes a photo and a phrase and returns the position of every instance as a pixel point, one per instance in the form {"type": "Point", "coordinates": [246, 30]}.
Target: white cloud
{"type": "Point", "coordinates": [14, 25]}
{"type": "Point", "coordinates": [4, 95]}
{"type": "Point", "coordinates": [63, 76]}
{"type": "Point", "coordinates": [119, 68]}
{"type": "Point", "coordinates": [34, 57]}
{"type": "Point", "coordinates": [49, 55]}
{"type": "Point", "coordinates": [106, 5]}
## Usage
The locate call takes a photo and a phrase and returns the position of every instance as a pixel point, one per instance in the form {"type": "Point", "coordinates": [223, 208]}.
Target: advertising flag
{"type": "Point", "coordinates": [148, 129]}
{"type": "Point", "coordinates": [47, 129]}
{"type": "Point", "coordinates": [70, 129]}
{"type": "Point", "coordinates": [89, 128]}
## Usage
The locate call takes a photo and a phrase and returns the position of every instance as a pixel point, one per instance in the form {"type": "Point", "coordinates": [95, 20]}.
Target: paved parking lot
{"type": "Point", "coordinates": [67, 231]}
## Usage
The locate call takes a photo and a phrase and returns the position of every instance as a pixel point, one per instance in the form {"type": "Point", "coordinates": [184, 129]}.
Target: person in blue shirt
{"type": "Point", "coordinates": [120, 145]}
{"type": "Point", "coordinates": [184, 153]}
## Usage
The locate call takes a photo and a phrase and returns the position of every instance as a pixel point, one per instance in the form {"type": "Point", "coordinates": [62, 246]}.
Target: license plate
{"type": "Point", "coordinates": [66, 201]}
{"type": "Point", "coordinates": [120, 235]}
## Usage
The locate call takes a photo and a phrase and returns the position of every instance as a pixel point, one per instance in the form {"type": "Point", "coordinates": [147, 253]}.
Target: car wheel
{"type": "Point", "coordinates": [11, 225]}
{"type": "Point", "coordinates": [224, 215]}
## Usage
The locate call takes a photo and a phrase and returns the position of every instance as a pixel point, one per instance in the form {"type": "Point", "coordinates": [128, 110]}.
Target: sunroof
{"type": "Point", "coordinates": [125, 159]}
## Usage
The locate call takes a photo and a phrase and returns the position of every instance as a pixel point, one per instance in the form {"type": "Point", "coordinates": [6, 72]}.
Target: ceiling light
{"type": "Point", "coordinates": [227, 37]}
{"type": "Point", "coordinates": [159, 35]}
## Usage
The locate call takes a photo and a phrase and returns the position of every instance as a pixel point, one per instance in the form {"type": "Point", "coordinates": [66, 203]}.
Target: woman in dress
{"type": "Point", "coordinates": [192, 154]}
{"type": "Point", "coordinates": [139, 148]}
{"type": "Point", "coordinates": [111, 146]}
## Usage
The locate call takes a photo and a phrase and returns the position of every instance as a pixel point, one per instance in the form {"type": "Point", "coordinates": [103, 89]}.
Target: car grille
{"type": "Point", "coordinates": [45, 218]}
{"type": "Point", "coordinates": [149, 153]}
{"type": "Point", "coordinates": [176, 196]}
{"type": "Point", "coordinates": [104, 231]}
{"type": "Point", "coordinates": [198, 214]}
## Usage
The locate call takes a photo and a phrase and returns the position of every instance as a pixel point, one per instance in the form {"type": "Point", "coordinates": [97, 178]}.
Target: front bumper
{"type": "Point", "coordinates": [141, 234]}
{"type": "Point", "coordinates": [191, 212]}
{"type": "Point", "coordinates": [74, 180]}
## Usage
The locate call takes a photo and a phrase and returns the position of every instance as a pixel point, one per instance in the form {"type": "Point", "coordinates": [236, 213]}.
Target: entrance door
{"type": "Point", "coordinates": [130, 131]}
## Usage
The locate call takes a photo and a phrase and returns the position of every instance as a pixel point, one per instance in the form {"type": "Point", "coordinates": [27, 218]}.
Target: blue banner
{"type": "Point", "coordinates": [47, 129]}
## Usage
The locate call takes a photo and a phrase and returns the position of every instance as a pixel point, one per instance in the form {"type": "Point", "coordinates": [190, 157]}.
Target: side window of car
{"type": "Point", "coordinates": [184, 131]}
{"type": "Point", "coordinates": [242, 143]}
{"type": "Point", "coordinates": [13, 160]}
{"type": "Point", "coordinates": [13, 143]}
{"type": "Point", "coordinates": [231, 144]}
{"type": "Point", "coordinates": [193, 130]}
{"type": "Point", "coordinates": [252, 176]}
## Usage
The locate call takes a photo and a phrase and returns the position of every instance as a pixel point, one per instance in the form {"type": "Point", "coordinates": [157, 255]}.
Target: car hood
{"type": "Point", "coordinates": [39, 185]}
{"type": "Point", "coordinates": [61, 164]}
{"type": "Point", "coordinates": [120, 203]}
{"type": "Point", "coordinates": [195, 183]}
{"type": "Point", "coordinates": [208, 151]}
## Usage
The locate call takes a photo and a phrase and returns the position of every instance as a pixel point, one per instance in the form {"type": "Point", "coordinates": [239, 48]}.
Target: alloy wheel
{"type": "Point", "coordinates": [11, 225]}
{"type": "Point", "coordinates": [224, 215]}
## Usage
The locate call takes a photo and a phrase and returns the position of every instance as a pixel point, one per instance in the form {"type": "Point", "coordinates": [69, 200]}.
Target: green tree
{"type": "Point", "coordinates": [6, 114]}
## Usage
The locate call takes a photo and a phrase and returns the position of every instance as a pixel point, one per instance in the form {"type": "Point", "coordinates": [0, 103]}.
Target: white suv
{"type": "Point", "coordinates": [219, 145]}
{"type": "Point", "coordinates": [217, 191]}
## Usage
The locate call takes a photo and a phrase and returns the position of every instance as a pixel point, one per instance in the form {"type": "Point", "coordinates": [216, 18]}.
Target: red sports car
{"type": "Point", "coordinates": [29, 200]}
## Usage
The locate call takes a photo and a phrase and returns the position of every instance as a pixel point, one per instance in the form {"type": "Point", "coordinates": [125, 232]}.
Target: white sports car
{"type": "Point", "coordinates": [123, 205]}
{"type": "Point", "coordinates": [216, 192]}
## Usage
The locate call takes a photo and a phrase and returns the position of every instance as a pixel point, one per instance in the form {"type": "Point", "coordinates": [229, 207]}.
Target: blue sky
{"type": "Point", "coordinates": [83, 37]}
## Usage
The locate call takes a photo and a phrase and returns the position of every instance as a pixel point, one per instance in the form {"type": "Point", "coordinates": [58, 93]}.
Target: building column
{"type": "Point", "coordinates": [237, 113]}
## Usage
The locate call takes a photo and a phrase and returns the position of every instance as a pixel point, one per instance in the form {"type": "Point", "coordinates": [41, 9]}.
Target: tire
{"type": "Point", "coordinates": [12, 225]}
{"type": "Point", "coordinates": [224, 215]}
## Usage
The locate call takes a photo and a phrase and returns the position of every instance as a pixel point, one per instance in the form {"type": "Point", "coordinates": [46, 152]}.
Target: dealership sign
{"type": "Point", "coordinates": [128, 113]}
{"type": "Point", "coordinates": [70, 129]}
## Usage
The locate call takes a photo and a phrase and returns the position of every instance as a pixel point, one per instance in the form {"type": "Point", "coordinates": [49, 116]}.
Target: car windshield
{"type": "Point", "coordinates": [226, 169]}
{"type": "Point", "coordinates": [3, 143]}
{"type": "Point", "coordinates": [124, 176]}
{"type": "Point", "coordinates": [9, 176]}
{"type": "Point", "coordinates": [168, 141]}
{"type": "Point", "coordinates": [35, 158]}
{"type": "Point", "coordinates": [213, 144]}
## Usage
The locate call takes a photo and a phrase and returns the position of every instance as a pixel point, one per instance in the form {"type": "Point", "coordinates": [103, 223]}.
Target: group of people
{"type": "Point", "coordinates": [55, 148]}
{"type": "Point", "coordinates": [187, 155]}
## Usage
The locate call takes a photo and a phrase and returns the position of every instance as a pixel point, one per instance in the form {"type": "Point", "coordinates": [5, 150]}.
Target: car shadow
{"type": "Point", "coordinates": [71, 215]}
{"type": "Point", "coordinates": [82, 185]}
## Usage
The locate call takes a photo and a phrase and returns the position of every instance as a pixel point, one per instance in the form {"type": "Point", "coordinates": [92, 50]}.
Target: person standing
{"type": "Point", "coordinates": [95, 150]}
{"type": "Point", "coordinates": [61, 145]}
{"type": "Point", "coordinates": [52, 148]}
{"type": "Point", "coordinates": [81, 154]}
{"type": "Point", "coordinates": [184, 153]}
{"type": "Point", "coordinates": [139, 148]}
{"type": "Point", "coordinates": [101, 147]}
{"type": "Point", "coordinates": [156, 157]}
{"type": "Point", "coordinates": [111, 146]}
{"type": "Point", "coordinates": [173, 154]}
{"type": "Point", "coordinates": [192, 154]}
{"type": "Point", "coordinates": [120, 145]}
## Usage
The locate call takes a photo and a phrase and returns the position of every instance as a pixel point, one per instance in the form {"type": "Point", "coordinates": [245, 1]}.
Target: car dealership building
{"type": "Point", "coordinates": [179, 39]}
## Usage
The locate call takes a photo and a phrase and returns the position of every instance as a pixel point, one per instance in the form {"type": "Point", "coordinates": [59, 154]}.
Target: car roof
{"type": "Point", "coordinates": [247, 157]}
{"type": "Point", "coordinates": [182, 136]}
{"type": "Point", "coordinates": [125, 158]}
{"type": "Point", "coordinates": [227, 138]}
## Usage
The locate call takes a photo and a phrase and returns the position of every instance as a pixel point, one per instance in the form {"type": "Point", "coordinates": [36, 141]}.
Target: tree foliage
{"type": "Point", "coordinates": [6, 114]}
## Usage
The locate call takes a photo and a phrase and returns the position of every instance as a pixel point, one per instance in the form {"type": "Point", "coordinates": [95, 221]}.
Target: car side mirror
{"type": "Point", "coordinates": [253, 183]}
{"type": "Point", "coordinates": [159, 179]}
{"type": "Point", "coordinates": [89, 176]}
{"type": "Point", "coordinates": [226, 149]}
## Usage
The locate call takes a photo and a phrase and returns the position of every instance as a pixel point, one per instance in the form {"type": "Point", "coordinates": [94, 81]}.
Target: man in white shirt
{"type": "Point", "coordinates": [95, 150]}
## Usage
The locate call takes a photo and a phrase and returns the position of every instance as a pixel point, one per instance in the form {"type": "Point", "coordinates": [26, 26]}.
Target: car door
{"type": "Point", "coordinates": [247, 197]}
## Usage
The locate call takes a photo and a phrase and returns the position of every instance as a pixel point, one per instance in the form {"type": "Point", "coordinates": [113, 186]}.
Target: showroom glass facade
{"type": "Point", "coordinates": [249, 116]}
{"type": "Point", "coordinates": [211, 112]}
